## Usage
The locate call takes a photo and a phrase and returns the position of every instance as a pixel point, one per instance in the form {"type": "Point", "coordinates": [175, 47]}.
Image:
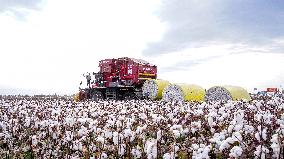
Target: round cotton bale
{"type": "Point", "coordinates": [153, 88]}
{"type": "Point", "coordinates": [183, 92]}
{"type": "Point", "coordinates": [226, 93]}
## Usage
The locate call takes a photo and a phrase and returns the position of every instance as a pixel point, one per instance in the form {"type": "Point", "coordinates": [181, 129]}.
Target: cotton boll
{"type": "Point", "coordinates": [197, 124]}
{"type": "Point", "coordinates": [238, 127]}
{"type": "Point", "coordinates": [248, 129]}
{"type": "Point", "coordinates": [185, 131]}
{"type": "Point", "coordinates": [176, 149]}
{"type": "Point", "coordinates": [92, 147]}
{"type": "Point", "coordinates": [252, 107]}
{"type": "Point", "coordinates": [264, 135]}
{"type": "Point", "coordinates": [212, 140]}
{"type": "Point", "coordinates": [108, 134]}
{"type": "Point", "coordinates": [237, 136]}
{"type": "Point", "coordinates": [206, 152]}
{"type": "Point", "coordinates": [168, 156]}
{"type": "Point", "coordinates": [127, 132]}
{"type": "Point", "coordinates": [115, 138]}
{"type": "Point", "coordinates": [282, 115]}
{"type": "Point", "coordinates": [212, 129]}
{"type": "Point", "coordinates": [27, 122]}
{"type": "Point", "coordinates": [118, 123]}
{"type": "Point", "coordinates": [37, 124]}
{"type": "Point", "coordinates": [230, 128]}
{"type": "Point", "coordinates": [123, 111]}
{"type": "Point", "coordinates": [136, 153]}
{"type": "Point", "coordinates": [104, 156]}
{"type": "Point", "coordinates": [195, 146]}
{"type": "Point", "coordinates": [151, 148]}
{"type": "Point", "coordinates": [221, 110]}
{"type": "Point", "coordinates": [210, 121]}
{"type": "Point", "coordinates": [267, 118]}
{"type": "Point", "coordinates": [143, 116]}
{"type": "Point", "coordinates": [80, 146]}
{"type": "Point", "coordinates": [75, 146]}
{"type": "Point", "coordinates": [265, 150]}
{"type": "Point", "coordinates": [193, 130]}
{"type": "Point", "coordinates": [175, 127]}
{"type": "Point", "coordinates": [81, 132]}
{"type": "Point", "coordinates": [260, 152]}
{"type": "Point", "coordinates": [257, 136]}
{"type": "Point", "coordinates": [34, 140]}
{"type": "Point", "coordinates": [54, 136]}
{"type": "Point", "coordinates": [276, 149]}
{"type": "Point", "coordinates": [111, 123]}
{"type": "Point", "coordinates": [258, 117]}
{"type": "Point", "coordinates": [159, 135]}
{"type": "Point", "coordinates": [68, 136]}
{"type": "Point", "coordinates": [176, 133]}
{"type": "Point", "coordinates": [202, 153]}
{"type": "Point", "coordinates": [121, 136]}
{"type": "Point", "coordinates": [132, 138]}
{"type": "Point", "coordinates": [226, 143]}
{"type": "Point", "coordinates": [144, 127]}
{"type": "Point", "coordinates": [138, 130]}
{"type": "Point", "coordinates": [198, 112]}
{"type": "Point", "coordinates": [98, 130]}
{"type": "Point", "coordinates": [121, 149]}
{"type": "Point", "coordinates": [236, 152]}
{"type": "Point", "coordinates": [100, 139]}
{"type": "Point", "coordinates": [225, 115]}
{"type": "Point", "coordinates": [274, 138]}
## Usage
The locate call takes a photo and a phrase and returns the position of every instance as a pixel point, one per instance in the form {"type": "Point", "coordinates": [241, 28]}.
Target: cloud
{"type": "Point", "coordinates": [52, 48]}
{"type": "Point", "coordinates": [223, 64]}
{"type": "Point", "coordinates": [12, 4]}
{"type": "Point", "coordinates": [19, 8]}
{"type": "Point", "coordinates": [255, 70]}
{"type": "Point", "coordinates": [195, 23]}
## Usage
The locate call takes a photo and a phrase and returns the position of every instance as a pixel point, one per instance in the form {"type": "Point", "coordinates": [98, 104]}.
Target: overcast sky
{"type": "Point", "coordinates": [46, 45]}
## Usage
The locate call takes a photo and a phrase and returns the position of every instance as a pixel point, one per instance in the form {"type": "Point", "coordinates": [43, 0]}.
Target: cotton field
{"type": "Point", "coordinates": [61, 128]}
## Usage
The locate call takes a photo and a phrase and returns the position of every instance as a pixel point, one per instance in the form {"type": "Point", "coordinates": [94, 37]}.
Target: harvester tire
{"type": "Point", "coordinates": [129, 96]}
{"type": "Point", "coordinates": [97, 96]}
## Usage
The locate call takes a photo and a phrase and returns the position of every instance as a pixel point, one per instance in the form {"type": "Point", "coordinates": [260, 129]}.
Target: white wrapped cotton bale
{"type": "Point", "coordinates": [153, 89]}
{"type": "Point", "coordinates": [183, 92]}
{"type": "Point", "coordinates": [226, 93]}
{"type": "Point", "coordinates": [217, 93]}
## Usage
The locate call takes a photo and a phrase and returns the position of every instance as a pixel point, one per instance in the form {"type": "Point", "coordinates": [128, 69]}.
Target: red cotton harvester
{"type": "Point", "coordinates": [120, 78]}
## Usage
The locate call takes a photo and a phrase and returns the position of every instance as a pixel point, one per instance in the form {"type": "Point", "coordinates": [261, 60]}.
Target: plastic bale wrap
{"type": "Point", "coordinates": [183, 92]}
{"type": "Point", "coordinates": [226, 93]}
{"type": "Point", "coordinates": [153, 89]}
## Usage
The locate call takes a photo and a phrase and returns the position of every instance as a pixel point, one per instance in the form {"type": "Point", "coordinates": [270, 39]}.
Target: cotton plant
{"type": "Point", "coordinates": [141, 129]}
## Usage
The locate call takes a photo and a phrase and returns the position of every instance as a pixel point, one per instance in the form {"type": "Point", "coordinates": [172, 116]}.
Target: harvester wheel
{"type": "Point", "coordinates": [128, 96]}
{"type": "Point", "coordinates": [97, 96]}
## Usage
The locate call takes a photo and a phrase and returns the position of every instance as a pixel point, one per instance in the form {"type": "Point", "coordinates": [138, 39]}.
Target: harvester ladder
{"type": "Point", "coordinates": [110, 94]}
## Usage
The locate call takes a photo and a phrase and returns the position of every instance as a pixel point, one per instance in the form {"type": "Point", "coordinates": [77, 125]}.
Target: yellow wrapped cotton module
{"type": "Point", "coordinates": [225, 93]}
{"type": "Point", "coordinates": [153, 88]}
{"type": "Point", "coordinates": [238, 93]}
{"type": "Point", "coordinates": [193, 92]}
{"type": "Point", "coordinates": [183, 92]}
